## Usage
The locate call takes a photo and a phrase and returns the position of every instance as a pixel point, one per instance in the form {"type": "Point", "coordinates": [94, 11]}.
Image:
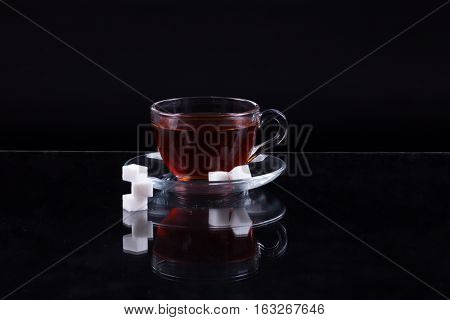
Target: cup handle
{"type": "Point", "coordinates": [267, 116]}
{"type": "Point", "coordinates": [279, 248]}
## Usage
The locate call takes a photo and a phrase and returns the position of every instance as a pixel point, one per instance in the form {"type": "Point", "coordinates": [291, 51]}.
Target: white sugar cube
{"type": "Point", "coordinates": [142, 188]}
{"type": "Point", "coordinates": [259, 158]}
{"type": "Point", "coordinates": [130, 218]}
{"type": "Point", "coordinates": [134, 245]}
{"type": "Point", "coordinates": [240, 173]}
{"type": "Point", "coordinates": [132, 203]}
{"type": "Point", "coordinates": [219, 217]}
{"type": "Point", "coordinates": [154, 155]}
{"type": "Point", "coordinates": [133, 172]}
{"type": "Point", "coordinates": [240, 232]}
{"type": "Point", "coordinates": [142, 229]}
{"type": "Point", "coordinates": [240, 222]}
{"type": "Point", "coordinates": [218, 176]}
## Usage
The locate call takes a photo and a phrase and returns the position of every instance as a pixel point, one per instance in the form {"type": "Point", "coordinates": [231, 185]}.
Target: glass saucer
{"type": "Point", "coordinates": [262, 172]}
{"type": "Point", "coordinates": [193, 212]}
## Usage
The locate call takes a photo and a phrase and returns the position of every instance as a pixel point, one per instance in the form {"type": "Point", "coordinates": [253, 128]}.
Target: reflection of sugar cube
{"type": "Point", "coordinates": [154, 155]}
{"type": "Point", "coordinates": [142, 188]}
{"type": "Point", "coordinates": [142, 229]}
{"type": "Point", "coordinates": [130, 218]}
{"type": "Point", "coordinates": [240, 173]}
{"type": "Point", "coordinates": [240, 222]}
{"type": "Point", "coordinates": [241, 232]}
{"type": "Point", "coordinates": [218, 176]}
{"type": "Point", "coordinates": [132, 203]}
{"type": "Point", "coordinates": [219, 217]}
{"type": "Point", "coordinates": [133, 172]}
{"type": "Point", "coordinates": [134, 245]}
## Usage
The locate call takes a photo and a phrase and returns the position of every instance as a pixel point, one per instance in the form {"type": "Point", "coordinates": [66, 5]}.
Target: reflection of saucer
{"type": "Point", "coordinates": [262, 172]}
{"type": "Point", "coordinates": [200, 252]}
{"type": "Point", "coordinates": [203, 238]}
{"type": "Point", "coordinates": [253, 207]}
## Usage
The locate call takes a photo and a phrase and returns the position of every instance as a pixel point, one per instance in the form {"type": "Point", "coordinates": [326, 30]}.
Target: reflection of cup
{"type": "Point", "coordinates": [196, 251]}
{"type": "Point", "coordinates": [207, 238]}
{"type": "Point", "coordinates": [203, 134]}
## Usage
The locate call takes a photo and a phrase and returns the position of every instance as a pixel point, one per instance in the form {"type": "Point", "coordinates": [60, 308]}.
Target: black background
{"type": "Point", "coordinates": [273, 53]}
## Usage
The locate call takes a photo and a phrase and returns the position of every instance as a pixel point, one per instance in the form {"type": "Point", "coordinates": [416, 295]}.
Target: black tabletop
{"type": "Point", "coordinates": [361, 226]}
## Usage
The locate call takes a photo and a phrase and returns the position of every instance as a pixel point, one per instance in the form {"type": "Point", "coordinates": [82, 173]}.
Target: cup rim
{"type": "Point", "coordinates": [154, 107]}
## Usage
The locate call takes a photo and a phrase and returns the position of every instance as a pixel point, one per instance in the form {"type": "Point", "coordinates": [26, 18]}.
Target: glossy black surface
{"type": "Point", "coordinates": [398, 203]}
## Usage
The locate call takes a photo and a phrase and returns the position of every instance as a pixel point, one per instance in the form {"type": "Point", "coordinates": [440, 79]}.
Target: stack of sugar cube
{"type": "Point", "coordinates": [141, 187]}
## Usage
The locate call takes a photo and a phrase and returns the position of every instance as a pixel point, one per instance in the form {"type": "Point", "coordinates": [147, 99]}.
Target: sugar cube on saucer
{"type": "Point", "coordinates": [218, 176]}
{"type": "Point", "coordinates": [134, 245]}
{"type": "Point", "coordinates": [132, 203]}
{"type": "Point", "coordinates": [219, 217]}
{"type": "Point", "coordinates": [133, 172]}
{"type": "Point", "coordinates": [240, 222]}
{"type": "Point", "coordinates": [154, 155]}
{"type": "Point", "coordinates": [240, 173]}
{"type": "Point", "coordinates": [142, 188]}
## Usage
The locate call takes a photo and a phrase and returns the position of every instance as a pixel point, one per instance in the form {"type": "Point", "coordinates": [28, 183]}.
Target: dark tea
{"type": "Point", "coordinates": [198, 135]}
{"type": "Point", "coordinates": [191, 146]}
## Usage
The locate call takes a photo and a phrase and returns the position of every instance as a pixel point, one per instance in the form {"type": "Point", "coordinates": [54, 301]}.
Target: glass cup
{"type": "Point", "coordinates": [198, 135]}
